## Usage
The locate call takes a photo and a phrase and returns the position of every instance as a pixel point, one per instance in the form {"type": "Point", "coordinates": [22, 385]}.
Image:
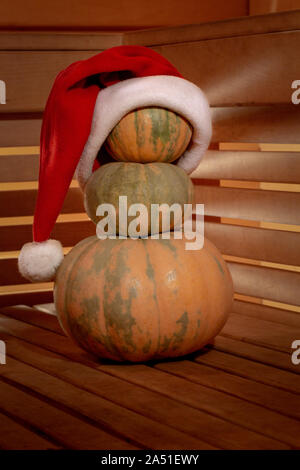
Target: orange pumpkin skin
{"type": "Point", "coordinates": [136, 299]}
{"type": "Point", "coordinates": [149, 135]}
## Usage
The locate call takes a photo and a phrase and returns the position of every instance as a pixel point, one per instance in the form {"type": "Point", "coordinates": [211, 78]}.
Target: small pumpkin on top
{"type": "Point", "coordinates": [149, 135]}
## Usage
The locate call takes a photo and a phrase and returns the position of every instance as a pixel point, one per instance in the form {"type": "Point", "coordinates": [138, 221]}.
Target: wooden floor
{"type": "Point", "coordinates": [240, 393]}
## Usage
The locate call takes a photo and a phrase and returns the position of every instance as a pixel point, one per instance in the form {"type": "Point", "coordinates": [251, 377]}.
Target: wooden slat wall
{"type": "Point", "coordinates": [246, 67]}
{"type": "Point", "coordinates": [17, 202]}
{"type": "Point", "coordinates": [16, 130]}
{"type": "Point", "coordinates": [279, 167]}
{"type": "Point", "coordinates": [26, 91]}
{"type": "Point", "coordinates": [257, 66]}
{"type": "Point", "coordinates": [250, 204]}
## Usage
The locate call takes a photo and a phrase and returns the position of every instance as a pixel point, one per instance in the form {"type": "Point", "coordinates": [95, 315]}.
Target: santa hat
{"type": "Point", "coordinates": [86, 102]}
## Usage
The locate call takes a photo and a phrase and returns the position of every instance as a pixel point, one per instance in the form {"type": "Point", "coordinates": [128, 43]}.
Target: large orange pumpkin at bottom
{"type": "Point", "coordinates": [141, 299]}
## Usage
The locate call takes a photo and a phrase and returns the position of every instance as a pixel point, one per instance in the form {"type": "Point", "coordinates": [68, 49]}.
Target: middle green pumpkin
{"type": "Point", "coordinates": [147, 184]}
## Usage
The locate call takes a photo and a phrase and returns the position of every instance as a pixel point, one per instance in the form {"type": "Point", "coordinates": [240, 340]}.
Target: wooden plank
{"type": "Point", "coordinates": [277, 246]}
{"type": "Point", "coordinates": [34, 317]}
{"type": "Point", "coordinates": [266, 283]}
{"type": "Point", "coordinates": [70, 431]}
{"type": "Point", "coordinates": [28, 91]}
{"type": "Point", "coordinates": [14, 436]}
{"type": "Point", "coordinates": [254, 371]}
{"type": "Point", "coordinates": [9, 273]}
{"type": "Point", "coordinates": [18, 130]}
{"type": "Point", "coordinates": [261, 332]}
{"type": "Point", "coordinates": [239, 73]}
{"type": "Point", "coordinates": [282, 401]}
{"type": "Point", "coordinates": [274, 124]}
{"type": "Point", "coordinates": [17, 203]}
{"type": "Point", "coordinates": [58, 40]}
{"type": "Point", "coordinates": [280, 167]}
{"type": "Point", "coordinates": [114, 16]}
{"type": "Point", "coordinates": [256, 353]}
{"type": "Point", "coordinates": [251, 204]}
{"type": "Point", "coordinates": [276, 315]}
{"type": "Point", "coordinates": [69, 233]}
{"type": "Point", "coordinates": [26, 298]}
{"type": "Point", "coordinates": [192, 419]}
{"type": "Point", "coordinates": [109, 16]}
{"type": "Point", "coordinates": [19, 168]}
{"type": "Point", "coordinates": [243, 26]}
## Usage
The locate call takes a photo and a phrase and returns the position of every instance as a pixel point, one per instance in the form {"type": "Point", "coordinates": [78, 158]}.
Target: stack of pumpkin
{"type": "Point", "coordinates": [136, 299]}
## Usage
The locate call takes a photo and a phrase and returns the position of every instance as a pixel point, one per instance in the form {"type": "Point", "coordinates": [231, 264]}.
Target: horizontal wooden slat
{"type": "Point", "coordinates": [262, 332]}
{"type": "Point", "coordinates": [249, 242]}
{"type": "Point", "coordinates": [256, 369]}
{"type": "Point", "coordinates": [26, 298]}
{"type": "Point", "coordinates": [69, 233]}
{"type": "Point", "coordinates": [267, 283]}
{"type": "Point", "coordinates": [244, 26]}
{"type": "Point", "coordinates": [9, 273]}
{"type": "Point", "coordinates": [19, 167]}
{"type": "Point", "coordinates": [264, 357]}
{"type": "Point", "coordinates": [251, 204]}
{"type": "Point", "coordinates": [274, 124]}
{"type": "Point", "coordinates": [263, 312]}
{"type": "Point", "coordinates": [22, 203]}
{"type": "Point", "coordinates": [58, 40]}
{"type": "Point", "coordinates": [237, 70]}
{"type": "Point", "coordinates": [20, 131]}
{"type": "Point", "coordinates": [34, 316]}
{"type": "Point", "coordinates": [281, 167]}
{"type": "Point", "coordinates": [14, 436]}
{"type": "Point", "coordinates": [28, 91]}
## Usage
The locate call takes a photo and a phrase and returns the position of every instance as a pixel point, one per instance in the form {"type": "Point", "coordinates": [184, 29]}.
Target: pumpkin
{"type": "Point", "coordinates": [136, 299]}
{"type": "Point", "coordinates": [149, 135]}
{"type": "Point", "coordinates": [150, 183]}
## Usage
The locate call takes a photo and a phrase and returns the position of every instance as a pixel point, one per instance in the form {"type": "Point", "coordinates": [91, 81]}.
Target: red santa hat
{"type": "Point", "coordinates": [86, 102]}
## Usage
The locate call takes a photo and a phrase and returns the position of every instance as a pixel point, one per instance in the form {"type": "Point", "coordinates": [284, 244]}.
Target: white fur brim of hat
{"type": "Point", "coordinates": [40, 261]}
{"type": "Point", "coordinates": [174, 93]}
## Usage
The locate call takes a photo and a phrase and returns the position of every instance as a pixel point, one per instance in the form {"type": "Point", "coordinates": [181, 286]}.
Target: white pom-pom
{"type": "Point", "coordinates": [39, 261]}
